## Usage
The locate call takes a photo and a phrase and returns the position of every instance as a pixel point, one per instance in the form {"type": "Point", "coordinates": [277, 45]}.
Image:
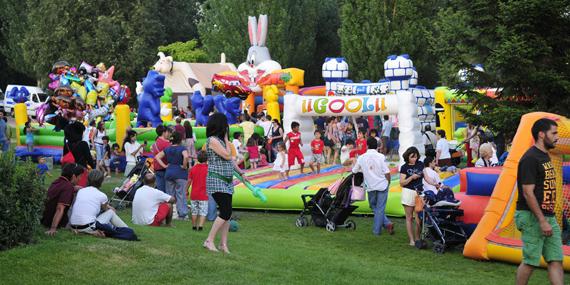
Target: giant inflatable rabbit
{"type": "Point", "coordinates": [259, 61]}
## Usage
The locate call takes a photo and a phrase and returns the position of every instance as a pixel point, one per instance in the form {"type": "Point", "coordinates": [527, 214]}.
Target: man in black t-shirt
{"type": "Point", "coordinates": [59, 198]}
{"type": "Point", "coordinates": [536, 182]}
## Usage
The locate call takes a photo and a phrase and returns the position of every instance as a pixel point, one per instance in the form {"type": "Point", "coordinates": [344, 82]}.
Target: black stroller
{"type": "Point", "coordinates": [124, 195]}
{"type": "Point", "coordinates": [440, 224]}
{"type": "Point", "coordinates": [330, 211]}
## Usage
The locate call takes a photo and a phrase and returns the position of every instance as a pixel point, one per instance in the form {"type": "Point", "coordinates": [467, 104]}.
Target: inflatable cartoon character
{"type": "Point", "coordinates": [149, 103]}
{"type": "Point", "coordinates": [201, 106]}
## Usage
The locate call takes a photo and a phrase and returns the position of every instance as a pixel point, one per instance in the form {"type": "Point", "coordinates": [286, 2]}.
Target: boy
{"type": "Point", "coordinates": [239, 148]}
{"type": "Point", "coordinates": [361, 142]}
{"type": "Point", "coordinates": [115, 158]}
{"type": "Point", "coordinates": [199, 197]}
{"type": "Point", "coordinates": [317, 146]}
{"type": "Point", "coordinates": [294, 138]}
{"type": "Point", "coordinates": [43, 169]}
{"type": "Point", "coordinates": [104, 166]}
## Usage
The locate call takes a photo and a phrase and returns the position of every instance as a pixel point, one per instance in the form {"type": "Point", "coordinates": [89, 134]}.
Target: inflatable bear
{"type": "Point", "coordinates": [149, 100]}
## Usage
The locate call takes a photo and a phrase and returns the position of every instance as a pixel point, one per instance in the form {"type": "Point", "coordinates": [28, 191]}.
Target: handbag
{"type": "Point", "coordinates": [357, 193]}
{"type": "Point", "coordinates": [419, 204]}
{"type": "Point", "coordinates": [68, 157]}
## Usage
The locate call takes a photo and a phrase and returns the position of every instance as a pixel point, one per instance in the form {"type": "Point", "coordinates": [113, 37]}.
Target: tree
{"type": "Point", "coordinates": [523, 46]}
{"type": "Point", "coordinates": [372, 30]}
{"type": "Point", "coordinates": [185, 51]}
{"type": "Point", "coordinates": [297, 34]}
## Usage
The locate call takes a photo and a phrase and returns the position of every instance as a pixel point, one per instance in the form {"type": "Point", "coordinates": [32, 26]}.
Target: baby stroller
{"type": "Point", "coordinates": [330, 211]}
{"type": "Point", "coordinates": [125, 194]}
{"type": "Point", "coordinates": [440, 224]}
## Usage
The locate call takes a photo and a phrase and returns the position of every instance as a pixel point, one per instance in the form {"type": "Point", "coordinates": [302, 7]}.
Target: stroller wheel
{"type": "Point", "coordinates": [351, 225]}
{"type": "Point", "coordinates": [438, 247]}
{"type": "Point", "coordinates": [301, 222]}
{"type": "Point", "coordinates": [331, 227]}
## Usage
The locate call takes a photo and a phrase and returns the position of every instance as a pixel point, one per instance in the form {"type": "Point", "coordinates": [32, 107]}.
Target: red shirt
{"type": "Point", "coordinates": [294, 140]}
{"type": "Point", "coordinates": [353, 153]}
{"type": "Point", "coordinates": [198, 175]}
{"type": "Point", "coordinates": [361, 146]}
{"type": "Point", "coordinates": [157, 147]}
{"type": "Point", "coordinates": [317, 146]}
{"type": "Point", "coordinates": [181, 130]}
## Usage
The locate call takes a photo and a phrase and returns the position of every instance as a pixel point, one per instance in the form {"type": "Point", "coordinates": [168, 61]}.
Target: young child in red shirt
{"type": "Point", "coordinates": [199, 197]}
{"type": "Point", "coordinates": [253, 151]}
{"type": "Point", "coordinates": [317, 146]}
{"type": "Point", "coordinates": [361, 142]}
{"type": "Point", "coordinates": [294, 152]}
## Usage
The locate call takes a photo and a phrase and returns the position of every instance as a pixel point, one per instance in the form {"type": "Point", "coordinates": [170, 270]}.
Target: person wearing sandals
{"type": "Point", "coordinates": [411, 182]}
{"type": "Point", "coordinates": [219, 182]}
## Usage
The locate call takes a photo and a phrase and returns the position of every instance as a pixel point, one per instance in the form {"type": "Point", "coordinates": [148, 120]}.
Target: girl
{"type": "Point", "coordinates": [432, 182]}
{"type": "Point", "coordinates": [98, 142]}
{"type": "Point", "coordinates": [29, 136]}
{"type": "Point", "coordinates": [253, 151]}
{"type": "Point", "coordinates": [190, 139]}
{"type": "Point", "coordinates": [411, 182]}
{"type": "Point", "coordinates": [280, 163]}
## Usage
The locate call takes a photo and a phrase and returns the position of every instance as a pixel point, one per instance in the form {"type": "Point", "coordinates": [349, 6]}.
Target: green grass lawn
{"type": "Point", "coordinates": [267, 249]}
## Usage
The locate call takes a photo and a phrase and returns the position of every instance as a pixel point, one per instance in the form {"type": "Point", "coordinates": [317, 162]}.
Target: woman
{"type": "Point", "coordinates": [219, 181]}
{"type": "Point", "coordinates": [485, 156]}
{"type": "Point", "coordinates": [334, 139]}
{"type": "Point", "coordinates": [73, 133]}
{"type": "Point", "coordinates": [275, 136]}
{"type": "Point", "coordinates": [98, 142]}
{"type": "Point", "coordinates": [411, 182]}
{"type": "Point", "coordinates": [176, 174]}
{"type": "Point", "coordinates": [349, 133]}
{"type": "Point", "coordinates": [133, 150]}
{"type": "Point", "coordinates": [190, 140]}
{"type": "Point", "coordinates": [29, 136]}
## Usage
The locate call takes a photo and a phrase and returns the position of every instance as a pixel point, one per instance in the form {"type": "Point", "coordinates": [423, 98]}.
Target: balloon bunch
{"type": "Point", "coordinates": [80, 93]}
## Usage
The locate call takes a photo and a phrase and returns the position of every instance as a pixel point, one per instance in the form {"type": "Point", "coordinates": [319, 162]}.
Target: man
{"type": "Point", "coordinates": [362, 124]}
{"type": "Point", "coordinates": [442, 154]}
{"type": "Point", "coordinates": [89, 202]}
{"type": "Point", "coordinates": [4, 138]}
{"type": "Point", "coordinates": [377, 179]}
{"type": "Point", "coordinates": [162, 142]}
{"type": "Point", "coordinates": [180, 129]}
{"type": "Point", "coordinates": [429, 141]}
{"type": "Point", "coordinates": [59, 198]}
{"type": "Point", "coordinates": [152, 206]}
{"type": "Point", "coordinates": [248, 127]}
{"type": "Point", "coordinates": [534, 216]}
{"type": "Point", "coordinates": [265, 123]}
{"type": "Point", "coordinates": [386, 130]}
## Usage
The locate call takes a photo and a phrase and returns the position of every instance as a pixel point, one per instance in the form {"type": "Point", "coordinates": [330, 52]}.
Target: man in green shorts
{"type": "Point", "coordinates": [536, 182]}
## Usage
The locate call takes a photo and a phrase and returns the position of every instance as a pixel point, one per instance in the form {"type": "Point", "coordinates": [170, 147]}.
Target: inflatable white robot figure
{"type": "Point", "coordinates": [259, 61]}
{"type": "Point", "coordinates": [398, 70]}
{"type": "Point", "coordinates": [335, 71]}
{"type": "Point", "coordinates": [414, 78]}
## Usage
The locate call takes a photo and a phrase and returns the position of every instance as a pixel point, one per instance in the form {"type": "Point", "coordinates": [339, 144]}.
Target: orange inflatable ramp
{"type": "Point", "coordinates": [496, 236]}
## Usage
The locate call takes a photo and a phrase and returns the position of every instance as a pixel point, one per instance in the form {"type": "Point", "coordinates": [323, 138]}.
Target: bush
{"type": "Point", "coordinates": [21, 201]}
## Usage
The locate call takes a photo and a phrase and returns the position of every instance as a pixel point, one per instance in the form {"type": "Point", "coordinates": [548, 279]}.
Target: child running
{"type": "Point", "coordinates": [253, 150]}
{"type": "Point", "coordinates": [294, 138]}
{"type": "Point", "coordinates": [280, 163]}
{"type": "Point", "coordinates": [198, 196]}
{"type": "Point", "coordinates": [317, 146]}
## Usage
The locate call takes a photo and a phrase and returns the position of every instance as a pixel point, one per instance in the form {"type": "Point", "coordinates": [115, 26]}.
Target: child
{"type": "Point", "coordinates": [253, 150]}
{"type": "Point", "coordinates": [374, 134]}
{"type": "Point", "coordinates": [280, 163]}
{"type": "Point", "coordinates": [317, 146]}
{"type": "Point", "coordinates": [294, 138]}
{"type": "Point", "coordinates": [361, 142]}
{"type": "Point", "coordinates": [29, 136]}
{"type": "Point", "coordinates": [115, 158]}
{"type": "Point", "coordinates": [198, 196]}
{"type": "Point", "coordinates": [239, 149]}
{"type": "Point", "coordinates": [348, 153]}
{"type": "Point", "coordinates": [104, 166]}
{"type": "Point", "coordinates": [43, 169]}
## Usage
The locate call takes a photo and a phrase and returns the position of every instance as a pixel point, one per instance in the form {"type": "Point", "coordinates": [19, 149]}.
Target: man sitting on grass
{"type": "Point", "coordinates": [152, 206]}
{"type": "Point", "coordinates": [59, 198]}
{"type": "Point", "coordinates": [86, 216]}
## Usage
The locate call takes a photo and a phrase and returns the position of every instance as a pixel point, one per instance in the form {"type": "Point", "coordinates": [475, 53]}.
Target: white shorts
{"type": "Point", "coordinates": [409, 197]}
{"type": "Point", "coordinates": [199, 208]}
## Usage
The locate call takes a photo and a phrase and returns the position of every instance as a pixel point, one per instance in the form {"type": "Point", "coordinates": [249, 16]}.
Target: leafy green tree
{"type": "Point", "coordinates": [371, 30]}
{"type": "Point", "coordinates": [523, 46]}
{"type": "Point", "coordinates": [185, 51]}
{"type": "Point", "coordinates": [299, 32]}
